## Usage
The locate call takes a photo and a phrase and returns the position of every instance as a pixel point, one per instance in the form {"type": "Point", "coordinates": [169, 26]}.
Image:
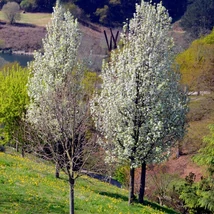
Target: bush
{"type": "Point", "coordinates": [121, 174]}
{"type": "Point", "coordinates": [197, 197]}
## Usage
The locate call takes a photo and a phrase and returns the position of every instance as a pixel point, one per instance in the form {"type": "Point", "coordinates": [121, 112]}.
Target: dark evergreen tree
{"type": "Point", "coordinates": [45, 5]}
{"type": "Point", "coordinates": [199, 17]}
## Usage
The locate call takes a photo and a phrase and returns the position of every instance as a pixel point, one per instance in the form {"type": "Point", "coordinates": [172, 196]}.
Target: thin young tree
{"type": "Point", "coordinates": [141, 109]}
{"type": "Point", "coordinates": [59, 105]}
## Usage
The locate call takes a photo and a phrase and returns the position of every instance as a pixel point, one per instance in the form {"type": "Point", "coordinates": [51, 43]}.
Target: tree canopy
{"type": "Point", "coordinates": [141, 109]}
{"type": "Point", "coordinates": [11, 12]}
{"type": "Point", "coordinates": [59, 101]}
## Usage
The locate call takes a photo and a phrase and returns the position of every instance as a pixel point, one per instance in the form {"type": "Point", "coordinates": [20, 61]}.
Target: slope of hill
{"type": "Point", "coordinates": [28, 185]}
{"type": "Point", "coordinates": [25, 37]}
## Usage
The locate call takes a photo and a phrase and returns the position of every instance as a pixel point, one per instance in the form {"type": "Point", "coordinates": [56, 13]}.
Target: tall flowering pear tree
{"type": "Point", "coordinates": [140, 111]}
{"type": "Point", "coordinates": [59, 108]}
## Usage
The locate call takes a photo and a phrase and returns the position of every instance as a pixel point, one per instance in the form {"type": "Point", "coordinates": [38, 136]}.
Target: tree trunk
{"type": "Point", "coordinates": [71, 183]}
{"type": "Point", "coordinates": [131, 186]}
{"type": "Point", "coordinates": [57, 168]}
{"type": "Point", "coordinates": [17, 147]}
{"type": "Point", "coordinates": [142, 182]}
{"type": "Point", "coordinates": [23, 152]}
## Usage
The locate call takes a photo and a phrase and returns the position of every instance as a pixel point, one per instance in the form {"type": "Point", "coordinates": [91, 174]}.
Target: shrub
{"type": "Point", "coordinates": [121, 174]}
{"type": "Point", "coordinates": [197, 197]}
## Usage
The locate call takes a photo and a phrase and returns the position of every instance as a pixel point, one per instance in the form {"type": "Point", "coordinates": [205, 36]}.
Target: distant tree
{"type": "Point", "coordinates": [115, 12]}
{"type": "Point", "coordinates": [14, 101]}
{"type": "Point", "coordinates": [59, 103]}
{"type": "Point", "coordinates": [29, 5]}
{"type": "Point", "coordinates": [102, 13]}
{"type": "Point", "coordinates": [11, 12]}
{"type": "Point", "coordinates": [141, 109]}
{"type": "Point", "coordinates": [199, 18]}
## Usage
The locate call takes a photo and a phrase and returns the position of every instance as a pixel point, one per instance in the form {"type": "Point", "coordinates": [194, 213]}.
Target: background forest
{"type": "Point", "coordinates": [196, 15]}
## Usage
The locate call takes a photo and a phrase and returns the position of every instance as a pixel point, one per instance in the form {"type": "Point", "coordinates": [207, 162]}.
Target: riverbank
{"type": "Point", "coordinates": [10, 51]}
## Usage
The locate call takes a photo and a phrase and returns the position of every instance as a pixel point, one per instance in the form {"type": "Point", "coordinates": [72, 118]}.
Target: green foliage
{"type": "Point", "coordinates": [206, 154]}
{"type": "Point", "coordinates": [13, 98]}
{"type": "Point", "coordinates": [90, 82]}
{"type": "Point", "coordinates": [198, 197]}
{"type": "Point", "coordinates": [196, 64]}
{"type": "Point", "coordinates": [121, 174]}
{"type": "Point", "coordinates": [28, 5]}
{"type": "Point", "coordinates": [102, 13]}
{"type": "Point", "coordinates": [74, 9]}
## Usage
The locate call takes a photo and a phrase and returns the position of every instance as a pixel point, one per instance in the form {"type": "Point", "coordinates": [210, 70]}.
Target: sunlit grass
{"type": "Point", "coordinates": [39, 19]}
{"type": "Point", "coordinates": [29, 186]}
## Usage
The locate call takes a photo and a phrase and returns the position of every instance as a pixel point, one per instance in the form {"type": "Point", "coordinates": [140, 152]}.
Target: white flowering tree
{"type": "Point", "coordinates": [59, 108]}
{"type": "Point", "coordinates": [141, 109]}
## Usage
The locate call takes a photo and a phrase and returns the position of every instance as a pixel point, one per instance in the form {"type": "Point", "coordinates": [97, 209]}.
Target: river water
{"type": "Point", "coordinates": [21, 59]}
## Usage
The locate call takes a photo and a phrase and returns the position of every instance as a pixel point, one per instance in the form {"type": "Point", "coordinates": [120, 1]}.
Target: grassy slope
{"type": "Point", "coordinates": [201, 115]}
{"type": "Point", "coordinates": [29, 186]}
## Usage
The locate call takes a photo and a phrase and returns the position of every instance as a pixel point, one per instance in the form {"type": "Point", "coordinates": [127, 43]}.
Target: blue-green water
{"type": "Point", "coordinates": [21, 59]}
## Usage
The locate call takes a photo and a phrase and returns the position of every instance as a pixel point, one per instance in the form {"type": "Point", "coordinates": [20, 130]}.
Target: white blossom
{"type": "Point", "coordinates": [141, 108]}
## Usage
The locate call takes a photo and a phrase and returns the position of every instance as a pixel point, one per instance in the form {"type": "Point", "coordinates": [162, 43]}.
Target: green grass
{"type": "Point", "coordinates": [39, 19]}
{"type": "Point", "coordinates": [29, 186]}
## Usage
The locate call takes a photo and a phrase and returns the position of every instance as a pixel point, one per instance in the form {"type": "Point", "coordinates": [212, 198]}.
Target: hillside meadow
{"type": "Point", "coordinates": [28, 185]}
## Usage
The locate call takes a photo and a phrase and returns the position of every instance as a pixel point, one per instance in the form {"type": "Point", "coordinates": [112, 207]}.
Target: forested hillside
{"type": "Point", "coordinates": [108, 12]}
{"type": "Point", "coordinates": [197, 16]}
